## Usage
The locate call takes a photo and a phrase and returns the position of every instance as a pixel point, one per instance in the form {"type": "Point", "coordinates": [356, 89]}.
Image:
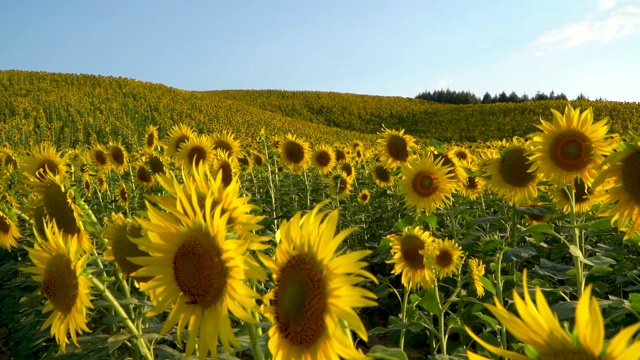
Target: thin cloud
{"type": "Point", "coordinates": [615, 24]}
{"type": "Point", "coordinates": [443, 83]}
{"type": "Point", "coordinates": [606, 4]}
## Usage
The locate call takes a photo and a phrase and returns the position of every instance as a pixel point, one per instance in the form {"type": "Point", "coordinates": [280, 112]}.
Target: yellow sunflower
{"type": "Point", "coordinates": [476, 268]}
{"type": "Point", "coordinates": [44, 159]}
{"type": "Point", "coordinates": [118, 232]}
{"type": "Point", "coordinates": [257, 160]}
{"type": "Point", "coordinates": [395, 148]}
{"type": "Point", "coordinates": [347, 168]}
{"type": "Point", "coordinates": [364, 197]}
{"type": "Point", "coordinates": [151, 138]}
{"type": "Point", "coordinates": [340, 185]}
{"type": "Point", "coordinates": [58, 266]}
{"type": "Point", "coordinates": [451, 161]}
{"type": "Point", "coordinates": [323, 159]}
{"type": "Point", "coordinates": [178, 135]}
{"type": "Point", "coordinates": [156, 165]}
{"type": "Point", "coordinates": [511, 175]}
{"type": "Point", "coordinates": [295, 153]}
{"type": "Point", "coordinates": [226, 142]}
{"type": "Point", "coordinates": [144, 176]}
{"type": "Point", "coordinates": [472, 187]}
{"type": "Point", "coordinates": [538, 328]}
{"type": "Point", "coordinates": [315, 290]}
{"type": "Point", "coordinates": [624, 175]}
{"type": "Point", "coordinates": [461, 154]}
{"type": "Point", "coordinates": [117, 156]}
{"type": "Point", "coordinates": [426, 184]}
{"type": "Point", "coordinates": [226, 166]}
{"type": "Point", "coordinates": [585, 196]}
{"type": "Point", "coordinates": [198, 150]}
{"type": "Point", "coordinates": [9, 232]}
{"type": "Point", "coordinates": [100, 157]}
{"type": "Point", "coordinates": [340, 154]}
{"type": "Point", "coordinates": [381, 175]}
{"type": "Point", "coordinates": [9, 161]}
{"type": "Point", "coordinates": [570, 146]}
{"type": "Point", "coordinates": [444, 257]}
{"type": "Point", "coordinates": [408, 256]}
{"type": "Point", "coordinates": [123, 195]}
{"type": "Point", "coordinates": [197, 271]}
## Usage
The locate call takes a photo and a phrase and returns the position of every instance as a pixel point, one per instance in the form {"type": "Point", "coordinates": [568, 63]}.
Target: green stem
{"type": "Point", "coordinates": [403, 316]}
{"type": "Point", "coordinates": [142, 345]}
{"type": "Point", "coordinates": [503, 330]}
{"type": "Point", "coordinates": [441, 329]}
{"type": "Point", "coordinates": [256, 349]}
{"type": "Point", "coordinates": [575, 232]}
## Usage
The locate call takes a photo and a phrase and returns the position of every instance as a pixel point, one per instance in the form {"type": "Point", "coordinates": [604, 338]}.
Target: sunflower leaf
{"type": "Point", "coordinates": [383, 352]}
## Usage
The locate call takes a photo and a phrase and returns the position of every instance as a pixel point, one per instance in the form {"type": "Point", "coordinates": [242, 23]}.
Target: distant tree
{"type": "Point", "coordinates": [502, 97]}
{"type": "Point", "coordinates": [525, 98]}
{"type": "Point", "coordinates": [540, 96]}
{"type": "Point", "coordinates": [581, 97]}
{"type": "Point", "coordinates": [487, 98]}
{"type": "Point", "coordinates": [513, 97]}
{"type": "Point", "coordinates": [562, 96]}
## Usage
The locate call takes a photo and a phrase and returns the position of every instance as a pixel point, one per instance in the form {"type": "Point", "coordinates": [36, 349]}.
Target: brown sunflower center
{"type": "Point", "coordinates": [124, 197]}
{"type": "Point", "coordinates": [196, 154]}
{"type": "Point", "coordinates": [227, 173]}
{"type": "Point", "coordinates": [347, 168]}
{"type": "Point", "coordinates": [100, 157]}
{"type": "Point", "coordinates": [462, 155]}
{"type": "Point", "coordinates": [257, 160]}
{"type": "Point", "coordinates": [397, 148]}
{"type": "Point", "coordinates": [143, 175]}
{"type": "Point", "coordinates": [341, 185]}
{"type": "Point", "coordinates": [425, 184]}
{"type": "Point", "coordinates": [514, 168]}
{"type": "Point", "coordinates": [323, 158]}
{"type": "Point", "coordinates": [199, 270]}
{"type": "Point", "coordinates": [179, 141]}
{"type": "Point", "coordinates": [151, 139]}
{"type": "Point", "coordinates": [156, 165]}
{"type": "Point", "coordinates": [223, 145]}
{"type": "Point", "coordinates": [364, 196]}
{"type": "Point", "coordinates": [56, 204]}
{"type": "Point", "coordinates": [582, 191]}
{"type": "Point", "coordinates": [60, 283]}
{"type": "Point", "coordinates": [410, 247]}
{"type": "Point", "coordinates": [340, 155]}
{"type": "Point", "coordinates": [631, 176]}
{"type": "Point", "coordinates": [5, 225]}
{"type": "Point", "coordinates": [46, 165]}
{"type": "Point", "coordinates": [444, 259]}
{"type": "Point", "coordinates": [571, 150]}
{"type": "Point", "coordinates": [117, 154]}
{"type": "Point", "coordinates": [382, 174]}
{"type": "Point", "coordinates": [567, 354]}
{"type": "Point", "coordinates": [293, 152]}
{"type": "Point", "coordinates": [472, 183]}
{"type": "Point", "coordinates": [301, 301]}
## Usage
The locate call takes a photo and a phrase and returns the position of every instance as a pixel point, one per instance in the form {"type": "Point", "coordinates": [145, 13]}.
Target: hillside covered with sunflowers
{"type": "Point", "coordinates": [142, 221]}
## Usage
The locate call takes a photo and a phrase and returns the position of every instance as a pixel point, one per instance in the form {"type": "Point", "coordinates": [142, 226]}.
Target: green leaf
{"type": "Point", "coordinates": [485, 220]}
{"type": "Point", "coordinates": [116, 340]}
{"type": "Point", "coordinates": [383, 352]}
{"type": "Point", "coordinates": [429, 302]}
{"type": "Point", "coordinates": [404, 222]}
{"type": "Point", "coordinates": [635, 301]}
{"type": "Point", "coordinates": [488, 319]}
{"type": "Point", "coordinates": [577, 253]}
{"type": "Point", "coordinates": [430, 219]}
{"type": "Point", "coordinates": [541, 229]}
{"type": "Point", "coordinates": [600, 271]}
{"type": "Point", "coordinates": [600, 260]}
{"type": "Point", "coordinates": [488, 285]}
{"type": "Point", "coordinates": [411, 326]}
{"type": "Point", "coordinates": [600, 224]}
{"type": "Point", "coordinates": [519, 254]}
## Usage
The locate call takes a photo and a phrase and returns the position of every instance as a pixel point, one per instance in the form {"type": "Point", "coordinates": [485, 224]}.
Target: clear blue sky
{"type": "Point", "coordinates": [379, 47]}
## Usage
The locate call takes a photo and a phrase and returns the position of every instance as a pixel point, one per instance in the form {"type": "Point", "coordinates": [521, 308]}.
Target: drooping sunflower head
{"type": "Point", "coordinates": [295, 153]}
{"type": "Point", "coordinates": [59, 263]}
{"type": "Point", "coordinates": [511, 175]}
{"type": "Point", "coordinates": [117, 156]}
{"type": "Point", "coordinates": [364, 196]}
{"type": "Point", "coordinates": [476, 268]}
{"type": "Point", "coordinates": [340, 184]}
{"type": "Point", "coordinates": [570, 146]}
{"type": "Point", "coordinates": [227, 143]}
{"type": "Point", "coordinates": [323, 159]}
{"type": "Point", "coordinates": [151, 138]}
{"type": "Point", "coordinates": [118, 232]}
{"type": "Point", "coordinates": [9, 231]}
{"type": "Point", "coordinates": [426, 184]}
{"type": "Point", "coordinates": [444, 257]}
{"type": "Point", "coordinates": [382, 175]}
{"type": "Point", "coordinates": [408, 255]}
{"type": "Point", "coordinates": [314, 289]}
{"type": "Point", "coordinates": [196, 151]}
{"type": "Point", "coordinates": [395, 148]}
{"type": "Point", "coordinates": [178, 136]}
{"type": "Point", "coordinates": [9, 159]}
{"type": "Point", "coordinates": [43, 160]}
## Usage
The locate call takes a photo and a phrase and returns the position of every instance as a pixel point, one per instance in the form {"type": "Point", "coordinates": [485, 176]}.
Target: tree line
{"type": "Point", "coordinates": [467, 97]}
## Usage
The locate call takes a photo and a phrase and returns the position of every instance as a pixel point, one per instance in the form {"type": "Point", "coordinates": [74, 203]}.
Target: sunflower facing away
{"type": "Point", "coordinates": [9, 232]}
{"type": "Point", "coordinates": [315, 290]}
{"type": "Point", "coordinates": [407, 251]}
{"type": "Point", "coordinates": [395, 148]}
{"type": "Point", "coordinates": [58, 266]}
{"type": "Point", "coordinates": [570, 146]}
{"type": "Point", "coordinates": [197, 271]}
{"type": "Point", "coordinates": [545, 339]}
{"type": "Point", "coordinates": [120, 248]}
{"type": "Point", "coordinates": [476, 268]}
{"type": "Point", "coordinates": [624, 173]}
{"type": "Point", "coordinates": [511, 176]}
{"type": "Point", "coordinates": [426, 184]}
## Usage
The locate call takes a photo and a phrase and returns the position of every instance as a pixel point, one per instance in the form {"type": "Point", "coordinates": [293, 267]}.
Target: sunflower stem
{"type": "Point", "coordinates": [498, 274]}
{"type": "Point", "coordinates": [141, 344]}
{"type": "Point", "coordinates": [403, 315]}
{"type": "Point", "coordinates": [441, 329]}
{"type": "Point", "coordinates": [256, 349]}
{"type": "Point", "coordinates": [575, 232]}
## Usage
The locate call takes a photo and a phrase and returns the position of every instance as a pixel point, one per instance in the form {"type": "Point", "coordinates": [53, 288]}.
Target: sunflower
{"type": "Point", "coordinates": [226, 166]}
{"type": "Point", "coordinates": [156, 165]}
{"type": "Point", "coordinates": [585, 196]}
{"type": "Point", "coordinates": [144, 176]}
{"type": "Point", "coordinates": [295, 153]}
{"type": "Point", "coordinates": [476, 268]}
{"type": "Point", "coordinates": [444, 257]}
{"type": "Point", "coordinates": [9, 231]}
{"type": "Point", "coordinates": [538, 328]}
{"type": "Point", "coordinates": [43, 160]}
{"type": "Point", "coordinates": [381, 175]}
{"type": "Point", "coordinates": [451, 161]}
{"type": "Point", "coordinates": [537, 213]}
{"type": "Point", "coordinates": [472, 187]}
{"type": "Point", "coordinates": [178, 135]}
{"type": "Point", "coordinates": [9, 161]}
{"type": "Point", "coordinates": [58, 266]}
{"type": "Point", "coordinates": [196, 151]}
{"type": "Point", "coordinates": [570, 146]}
{"type": "Point", "coordinates": [461, 154]}
{"type": "Point", "coordinates": [315, 291]}
{"type": "Point", "coordinates": [511, 175]}
{"type": "Point", "coordinates": [118, 232]}
{"type": "Point", "coordinates": [100, 157]}
{"type": "Point", "coordinates": [117, 157]}
{"type": "Point", "coordinates": [323, 159]}
{"type": "Point", "coordinates": [340, 154]}
{"type": "Point", "coordinates": [394, 148]}
{"type": "Point", "coordinates": [407, 251]}
{"type": "Point", "coordinates": [226, 142]}
{"type": "Point", "coordinates": [123, 195]}
{"type": "Point", "coordinates": [426, 184]}
{"type": "Point", "coordinates": [197, 271]}
{"type": "Point", "coordinates": [151, 138]}
{"type": "Point", "coordinates": [347, 168]}
{"type": "Point", "coordinates": [257, 160]}
{"type": "Point", "coordinates": [624, 173]}
{"type": "Point", "coordinates": [101, 182]}
{"type": "Point", "coordinates": [364, 197]}
{"type": "Point", "coordinates": [340, 185]}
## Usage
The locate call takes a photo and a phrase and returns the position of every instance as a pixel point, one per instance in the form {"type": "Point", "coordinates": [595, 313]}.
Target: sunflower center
{"type": "Point", "coordinates": [301, 300]}
{"type": "Point", "coordinates": [151, 139]}
{"type": "Point", "coordinates": [117, 155]}
{"type": "Point", "coordinates": [56, 204]}
{"type": "Point", "coordinates": [514, 168]}
{"type": "Point", "coordinates": [156, 165]}
{"type": "Point", "coordinates": [60, 283]}
{"type": "Point", "coordinates": [410, 247]}
{"type": "Point", "coordinates": [631, 176]}
{"type": "Point", "coordinates": [346, 167]}
{"type": "Point", "coordinates": [227, 173]}
{"type": "Point", "coordinates": [582, 191]}
{"type": "Point", "coordinates": [101, 157]}
{"type": "Point", "coordinates": [47, 165]}
{"type": "Point", "coordinates": [397, 148]}
{"type": "Point", "coordinates": [5, 225]}
{"type": "Point", "coordinates": [340, 155]}
{"type": "Point", "coordinates": [179, 141]}
{"type": "Point", "coordinates": [143, 175]}
{"type": "Point", "coordinates": [364, 196]}
{"type": "Point", "coordinates": [444, 259]}
{"type": "Point", "coordinates": [223, 145]}
{"type": "Point", "coordinates": [382, 173]}
{"type": "Point", "coordinates": [294, 152]}
{"type": "Point", "coordinates": [199, 270]}
{"type": "Point", "coordinates": [571, 150]}
{"type": "Point", "coordinates": [425, 184]}
{"type": "Point", "coordinates": [472, 183]}
{"type": "Point", "coordinates": [323, 158]}
{"type": "Point", "coordinates": [257, 160]}
{"type": "Point", "coordinates": [342, 185]}
{"type": "Point", "coordinates": [462, 155]}
{"type": "Point", "coordinates": [197, 154]}
{"type": "Point", "coordinates": [567, 354]}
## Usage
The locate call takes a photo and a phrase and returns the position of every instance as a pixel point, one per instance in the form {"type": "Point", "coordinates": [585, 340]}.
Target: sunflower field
{"type": "Point", "coordinates": [143, 222]}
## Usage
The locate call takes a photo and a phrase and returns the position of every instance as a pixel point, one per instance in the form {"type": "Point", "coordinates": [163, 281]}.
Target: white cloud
{"type": "Point", "coordinates": [444, 83]}
{"type": "Point", "coordinates": [615, 24]}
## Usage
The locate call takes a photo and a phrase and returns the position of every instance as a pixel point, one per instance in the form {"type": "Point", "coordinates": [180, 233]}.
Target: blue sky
{"type": "Point", "coordinates": [398, 48]}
